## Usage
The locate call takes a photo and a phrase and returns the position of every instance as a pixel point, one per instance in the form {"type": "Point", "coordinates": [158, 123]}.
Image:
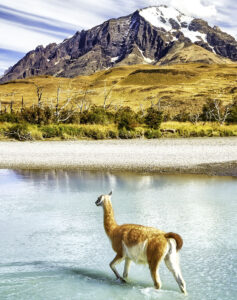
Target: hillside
{"type": "Point", "coordinates": [181, 53]}
{"type": "Point", "coordinates": [147, 36]}
{"type": "Point", "coordinates": [180, 87]}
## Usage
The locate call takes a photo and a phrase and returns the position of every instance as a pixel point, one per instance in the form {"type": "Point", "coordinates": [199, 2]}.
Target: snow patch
{"type": "Point", "coordinates": [56, 62]}
{"type": "Point", "coordinates": [169, 12]}
{"type": "Point", "coordinates": [187, 19]}
{"type": "Point", "coordinates": [146, 59]}
{"type": "Point", "coordinates": [114, 59]}
{"type": "Point", "coordinates": [212, 48]}
{"type": "Point", "coordinates": [154, 16]}
{"type": "Point", "coordinates": [194, 36]}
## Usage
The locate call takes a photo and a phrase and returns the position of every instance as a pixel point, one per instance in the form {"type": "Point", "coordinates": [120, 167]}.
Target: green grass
{"type": "Point", "coordinates": [100, 132]}
{"type": "Point", "coordinates": [187, 129]}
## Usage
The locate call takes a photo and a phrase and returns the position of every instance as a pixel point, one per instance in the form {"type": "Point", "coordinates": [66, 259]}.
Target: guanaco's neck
{"type": "Point", "coordinates": [109, 221]}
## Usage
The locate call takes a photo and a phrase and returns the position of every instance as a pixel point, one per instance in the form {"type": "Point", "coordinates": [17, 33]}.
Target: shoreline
{"type": "Point", "coordinates": [207, 156]}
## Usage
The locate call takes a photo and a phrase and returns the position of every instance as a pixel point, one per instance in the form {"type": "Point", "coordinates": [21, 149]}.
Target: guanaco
{"type": "Point", "coordinates": [142, 245]}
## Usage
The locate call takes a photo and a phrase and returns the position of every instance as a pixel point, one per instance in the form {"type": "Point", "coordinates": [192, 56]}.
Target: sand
{"type": "Point", "coordinates": [211, 156]}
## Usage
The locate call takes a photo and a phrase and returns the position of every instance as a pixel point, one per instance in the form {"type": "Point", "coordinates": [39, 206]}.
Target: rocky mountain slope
{"type": "Point", "coordinates": [148, 36]}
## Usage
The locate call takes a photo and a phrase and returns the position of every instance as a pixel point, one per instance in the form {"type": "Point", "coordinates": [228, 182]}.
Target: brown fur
{"type": "Point", "coordinates": [177, 237]}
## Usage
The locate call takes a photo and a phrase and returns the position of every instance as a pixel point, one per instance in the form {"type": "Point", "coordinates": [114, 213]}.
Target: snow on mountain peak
{"type": "Point", "coordinates": [159, 16]}
{"type": "Point", "coordinates": [171, 19]}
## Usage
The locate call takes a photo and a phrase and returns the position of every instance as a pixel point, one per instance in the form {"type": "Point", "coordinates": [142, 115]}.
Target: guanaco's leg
{"type": "Point", "coordinates": [126, 267]}
{"type": "Point", "coordinates": [118, 259]}
{"type": "Point", "coordinates": [154, 269]}
{"type": "Point", "coordinates": [172, 263]}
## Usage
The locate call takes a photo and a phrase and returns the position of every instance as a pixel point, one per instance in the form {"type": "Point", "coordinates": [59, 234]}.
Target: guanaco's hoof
{"type": "Point", "coordinates": [122, 280]}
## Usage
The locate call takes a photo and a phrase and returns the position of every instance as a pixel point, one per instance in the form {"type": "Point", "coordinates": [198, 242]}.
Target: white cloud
{"type": "Point", "coordinates": [22, 39]}
{"type": "Point", "coordinates": [195, 8]}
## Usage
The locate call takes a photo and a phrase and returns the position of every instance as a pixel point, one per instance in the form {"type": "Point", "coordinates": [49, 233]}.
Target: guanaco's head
{"type": "Point", "coordinates": [103, 198]}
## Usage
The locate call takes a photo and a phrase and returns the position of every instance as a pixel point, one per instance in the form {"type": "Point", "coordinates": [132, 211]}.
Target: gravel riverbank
{"type": "Point", "coordinates": [212, 156]}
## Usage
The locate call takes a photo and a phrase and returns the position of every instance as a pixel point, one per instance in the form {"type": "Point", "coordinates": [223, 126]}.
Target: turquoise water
{"type": "Point", "coordinates": [53, 244]}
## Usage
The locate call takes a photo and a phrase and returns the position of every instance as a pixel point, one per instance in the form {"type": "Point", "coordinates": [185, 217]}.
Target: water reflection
{"type": "Point", "coordinates": [83, 180]}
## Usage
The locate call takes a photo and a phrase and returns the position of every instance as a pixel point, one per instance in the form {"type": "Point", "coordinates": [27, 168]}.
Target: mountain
{"type": "Point", "coordinates": [148, 36]}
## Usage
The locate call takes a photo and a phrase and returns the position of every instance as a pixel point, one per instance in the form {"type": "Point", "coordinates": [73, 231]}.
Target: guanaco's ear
{"type": "Point", "coordinates": [110, 193]}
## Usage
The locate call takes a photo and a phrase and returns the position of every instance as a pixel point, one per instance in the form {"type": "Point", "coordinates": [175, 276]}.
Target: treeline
{"type": "Point", "coordinates": [123, 117]}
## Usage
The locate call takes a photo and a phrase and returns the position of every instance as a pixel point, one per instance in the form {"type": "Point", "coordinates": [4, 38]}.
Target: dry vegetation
{"type": "Point", "coordinates": [39, 108]}
{"type": "Point", "coordinates": [179, 87]}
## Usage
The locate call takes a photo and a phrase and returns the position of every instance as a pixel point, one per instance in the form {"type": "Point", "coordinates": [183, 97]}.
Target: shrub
{"type": "Point", "coordinates": [139, 132]}
{"type": "Point", "coordinates": [36, 133]}
{"type": "Point", "coordinates": [153, 118]}
{"type": "Point", "coordinates": [19, 132]}
{"type": "Point", "coordinates": [126, 134]}
{"type": "Point", "coordinates": [38, 115]}
{"type": "Point", "coordinates": [97, 115]}
{"type": "Point", "coordinates": [11, 118]}
{"type": "Point", "coordinates": [126, 119]}
{"type": "Point", "coordinates": [71, 130]}
{"type": "Point", "coordinates": [182, 117]}
{"type": "Point", "coordinates": [112, 134]}
{"type": "Point", "coordinates": [51, 131]}
{"type": "Point", "coordinates": [232, 118]}
{"type": "Point", "coordinates": [152, 134]}
{"type": "Point", "coordinates": [95, 134]}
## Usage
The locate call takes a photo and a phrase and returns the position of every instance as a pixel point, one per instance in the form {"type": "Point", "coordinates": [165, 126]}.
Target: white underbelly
{"type": "Point", "coordinates": [137, 253]}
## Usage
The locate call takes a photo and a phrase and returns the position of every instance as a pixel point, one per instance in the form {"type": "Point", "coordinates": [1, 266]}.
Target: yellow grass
{"type": "Point", "coordinates": [181, 87]}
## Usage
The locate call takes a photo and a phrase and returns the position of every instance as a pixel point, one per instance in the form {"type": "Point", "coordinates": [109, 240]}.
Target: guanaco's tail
{"type": "Point", "coordinates": [177, 237]}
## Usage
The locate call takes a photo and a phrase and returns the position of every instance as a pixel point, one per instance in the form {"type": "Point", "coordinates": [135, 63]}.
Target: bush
{"type": "Point", "coordinates": [97, 115]}
{"type": "Point", "coordinates": [126, 134]}
{"type": "Point", "coordinates": [68, 117]}
{"type": "Point", "coordinates": [153, 118]}
{"type": "Point", "coordinates": [19, 132]}
{"type": "Point", "coordinates": [71, 130]}
{"type": "Point", "coordinates": [38, 115]}
{"type": "Point", "coordinates": [51, 131]}
{"type": "Point", "coordinates": [232, 118]}
{"type": "Point", "coordinates": [126, 119]}
{"type": "Point", "coordinates": [112, 134]}
{"type": "Point", "coordinates": [11, 118]}
{"type": "Point", "coordinates": [182, 117]}
{"type": "Point", "coordinates": [95, 134]}
{"type": "Point", "coordinates": [152, 134]}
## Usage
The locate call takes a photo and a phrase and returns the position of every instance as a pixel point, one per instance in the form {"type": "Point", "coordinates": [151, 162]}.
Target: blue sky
{"type": "Point", "coordinates": [25, 24]}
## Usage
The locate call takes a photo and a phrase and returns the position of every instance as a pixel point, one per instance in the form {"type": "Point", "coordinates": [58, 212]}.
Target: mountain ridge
{"type": "Point", "coordinates": [145, 37]}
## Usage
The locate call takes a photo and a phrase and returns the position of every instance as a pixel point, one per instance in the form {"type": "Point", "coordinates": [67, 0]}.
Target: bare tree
{"type": "Point", "coordinates": [57, 102]}
{"type": "Point", "coordinates": [81, 100]}
{"type": "Point", "coordinates": [221, 113]}
{"type": "Point", "coordinates": [61, 116]}
{"type": "Point", "coordinates": [22, 104]}
{"type": "Point", "coordinates": [142, 109]}
{"type": "Point", "coordinates": [158, 104]}
{"type": "Point", "coordinates": [194, 118]}
{"type": "Point", "coordinates": [107, 95]}
{"type": "Point", "coordinates": [39, 93]}
{"type": "Point", "coordinates": [215, 110]}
